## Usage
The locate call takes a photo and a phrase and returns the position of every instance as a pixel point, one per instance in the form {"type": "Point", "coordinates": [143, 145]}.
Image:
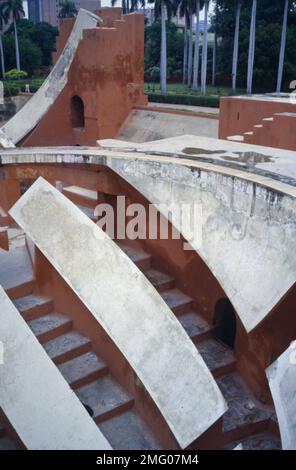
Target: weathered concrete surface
{"type": "Point", "coordinates": [29, 116]}
{"type": "Point", "coordinates": [278, 164]}
{"type": "Point", "coordinates": [146, 125]}
{"type": "Point", "coordinates": [136, 318]}
{"type": "Point", "coordinates": [38, 402]}
{"type": "Point", "coordinates": [282, 382]}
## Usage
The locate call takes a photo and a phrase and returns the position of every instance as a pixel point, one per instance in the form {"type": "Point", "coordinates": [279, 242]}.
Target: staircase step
{"type": "Point", "coordinates": [261, 441]}
{"type": "Point", "coordinates": [81, 196]}
{"type": "Point", "coordinates": [136, 254]}
{"type": "Point", "coordinates": [268, 119]}
{"type": "Point", "coordinates": [161, 281]}
{"type": "Point", "coordinates": [33, 306]}
{"type": "Point", "coordinates": [236, 138]}
{"type": "Point", "coordinates": [249, 133]}
{"type": "Point", "coordinates": [67, 346]}
{"type": "Point", "coordinates": [50, 326]}
{"type": "Point", "coordinates": [195, 326]}
{"type": "Point", "coordinates": [244, 416]}
{"type": "Point", "coordinates": [128, 432]}
{"type": "Point", "coordinates": [258, 126]}
{"type": "Point", "coordinates": [218, 357]}
{"type": "Point", "coordinates": [22, 290]}
{"type": "Point", "coordinates": [88, 212]}
{"type": "Point", "coordinates": [105, 397]}
{"type": "Point", "coordinates": [7, 444]}
{"type": "Point", "coordinates": [4, 243]}
{"type": "Point", "coordinates": [178, 302]}
{"type": "Point", "coordinates": [83, 369]}
{"type": "Point", "coordinates": [5, 219]}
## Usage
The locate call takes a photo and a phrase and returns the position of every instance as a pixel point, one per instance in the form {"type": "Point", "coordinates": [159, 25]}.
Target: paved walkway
{"type": "Point", "coordinates": [183, 107]}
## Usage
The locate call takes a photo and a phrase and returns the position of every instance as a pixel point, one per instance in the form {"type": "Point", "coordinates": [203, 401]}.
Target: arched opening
{"type": "Point", "coordinates": [225, 322]}
{"type": "Point", "coordinates": [77, 112]}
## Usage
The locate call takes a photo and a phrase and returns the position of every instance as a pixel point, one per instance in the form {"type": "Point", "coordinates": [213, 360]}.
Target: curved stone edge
{"type": "Point", "coordinates": [281, 376]}
{"type": "Point", "coordinates": [136, 318]}
{"type": "Point", "coordinates": [28, 117]}
{"type": "Point", "coordinates": [38, 402]}
{"type": "Point", "coordinates": [269, 192]}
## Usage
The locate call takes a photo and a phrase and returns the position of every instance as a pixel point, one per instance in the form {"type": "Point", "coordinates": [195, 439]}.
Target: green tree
{"type": "Point", "coordinates": [267, 46]}
{"type": "Point", "coordinates": [43, 35]}
{"type": "Point", "coordinates": [67, 9]}
{"type": "Point", "coordinates": [31, 54]}
{"type": "Point", "coordinates": [174, 48]}
{"type": "Point", "coordinates": [14, 9]}
{"type": "Point", "coordinates": [163, 9]}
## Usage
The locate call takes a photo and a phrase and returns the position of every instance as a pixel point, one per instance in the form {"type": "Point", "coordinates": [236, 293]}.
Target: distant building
{"type": "Point", "coordinates": [48, 10]}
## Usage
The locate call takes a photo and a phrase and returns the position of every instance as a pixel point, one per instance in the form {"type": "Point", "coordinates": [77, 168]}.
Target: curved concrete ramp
{"type": "Point", "coordinates": [282, 382]}
{"type": "Point", "coordinates": [246, 230]}
{"type": "Point", "coordinates": [28, 117]}
{"type": "Point", "coordinates": [128, 307]}
{"type": "Point", "coordinates": [44, 411]}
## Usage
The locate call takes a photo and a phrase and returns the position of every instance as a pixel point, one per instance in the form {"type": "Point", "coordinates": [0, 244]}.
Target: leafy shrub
{"type": "Point", "coordinates": [11, 89]}
{"type": "Point", "coordinates": [15, 74]}
{"type": "Point", "coordinates": [153, 73]}
{"type": "Point", "coordinates": [191, 100]}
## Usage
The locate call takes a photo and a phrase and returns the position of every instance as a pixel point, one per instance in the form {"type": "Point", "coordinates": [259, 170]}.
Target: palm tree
{"type": "Point", "coordinates": [205, 51]}
{"type": "Point", "coordinates": [235, 46]}
{"type": "Point", "coordinates": [190, 45]}
{"type": "Point", "coordinates": [283, 48]}
{"type": "Point", "coordinates": [67, 9]}
{"type": "Point", "coordinates": [182, 5]}
{"type": "Point", "coordinates": [185, 53]}
{"type": "Point", "coordinates": [14, 9]}
{"type": "Point", "coordinates": [215, 46]}
{"type": "Point", "coordinates": [199, 4]}
{"type": "Point", "coordinates": [3, 21]}
{"type": "Point", "coordinates": [136, 3]}
{"type": "Point", "coordinates": [163, 9]}
{"type": "Point", "coordinates": [252, 48]}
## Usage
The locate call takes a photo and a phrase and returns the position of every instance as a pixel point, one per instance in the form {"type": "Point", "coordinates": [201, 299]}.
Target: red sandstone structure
{"type": "Point", "coordinates": [260, 120]}
{"type": "Point", "coordinates": [105, 82]}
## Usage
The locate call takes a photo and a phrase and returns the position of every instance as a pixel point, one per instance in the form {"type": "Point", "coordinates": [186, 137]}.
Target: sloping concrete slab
{"type": "Point", "coordinates": [128, 307]}
{"type": "Point", "coordinates": [144, 125]}
{"type": "Point", "coordinates": [282, 382]}
{"type": "Point", "coordinates": [29, 116]}
{"type": "Point", "coordinates": [243, 231]}
{"type": "Point", "coordinates": [36, 399]}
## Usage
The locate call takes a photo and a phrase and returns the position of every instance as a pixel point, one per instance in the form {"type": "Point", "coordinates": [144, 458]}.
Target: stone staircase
{"type": "Point", "coordinates": [276, 131]}
{"type": "Point", "coordinates": [245, 420]}
{"type": "Point", "coordinates": [109, 404]}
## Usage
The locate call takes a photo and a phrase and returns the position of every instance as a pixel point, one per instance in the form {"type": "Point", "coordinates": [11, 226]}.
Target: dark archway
{"type": "Point", "coordinates": [77, 112]}
{"type": "Point", "coordinates": [225, 322]}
